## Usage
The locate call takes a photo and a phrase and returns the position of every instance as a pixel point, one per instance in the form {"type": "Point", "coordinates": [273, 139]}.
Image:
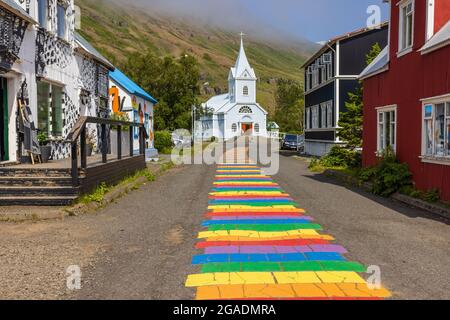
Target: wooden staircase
{"type": "Point", "coordinates": [36, 187]}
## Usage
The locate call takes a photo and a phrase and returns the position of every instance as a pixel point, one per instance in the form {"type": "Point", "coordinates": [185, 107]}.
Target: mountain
{"type": "Point", "coordinates": [118, 30]}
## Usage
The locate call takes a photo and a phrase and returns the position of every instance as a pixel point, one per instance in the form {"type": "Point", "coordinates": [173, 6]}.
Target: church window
{"type": "Point", "coordinates": [257, 127]}
{"type": "Point", "coordinates": [234, 127]}
{"type": "Point", "coordinates": [245, 91]}
{"type": "Point", "coordinates": [245, 109]}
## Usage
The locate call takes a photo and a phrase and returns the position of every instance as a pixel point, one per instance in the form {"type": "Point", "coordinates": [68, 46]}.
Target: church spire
{"type": "Point", "coordinates": [242, 66]}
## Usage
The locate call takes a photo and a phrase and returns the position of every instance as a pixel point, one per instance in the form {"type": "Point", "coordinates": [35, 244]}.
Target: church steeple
{"type": "Point", "coordinates": [242, 68]}
{"type": "Point", "coordinates": [242, 79]}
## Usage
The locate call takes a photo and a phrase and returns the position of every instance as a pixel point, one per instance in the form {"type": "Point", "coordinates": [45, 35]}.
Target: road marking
{"type": "Point", "coordinates": [258, 244]}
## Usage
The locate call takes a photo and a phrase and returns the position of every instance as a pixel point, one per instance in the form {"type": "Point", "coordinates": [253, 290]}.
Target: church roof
{"type": "Point", "coordinates": [242, 65]}
{"type": "Point", "coordinates": [217, 102]}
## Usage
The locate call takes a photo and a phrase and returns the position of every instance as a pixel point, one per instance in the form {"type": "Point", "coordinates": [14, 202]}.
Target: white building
{"type": "Point", "coordinates": [235, 113]}
{"type": "Point", "coordinates": [48, 67]}
{"type": "Point", "coordinates": [130, 99]}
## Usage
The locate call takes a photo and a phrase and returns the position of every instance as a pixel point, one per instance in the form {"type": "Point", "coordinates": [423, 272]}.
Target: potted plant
{"type": "Point", "coordinates": [90, 143]}
{"type": "Point", "coordinates": [46, 150]}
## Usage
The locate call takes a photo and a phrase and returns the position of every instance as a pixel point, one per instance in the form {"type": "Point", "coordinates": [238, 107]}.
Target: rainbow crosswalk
{"type": "Point", "coordinates": [259, 245]}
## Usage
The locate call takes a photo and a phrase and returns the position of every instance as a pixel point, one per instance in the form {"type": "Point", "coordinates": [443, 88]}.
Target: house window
{"type": "Point", "coordinates": [323, 115]}
{"type": "Point", "coordinates": [437, 129]}
{"type": "Point", "coordinates": [61, 20]}
{"type": "Point", "coordinates": [234, 127]}
{"type": "Point", "coordinates": [257, 127]}
{"type": "Point", "coordinates": [308, 118]}
{"type": "Point", "coordinates": [49, 109]}
{"type": "Point", "coordinates": [406, 26]}
{"type": "Point", "coordinates": [245, 91]}
{"type": "Point", "coordinates": [330, 114]}
{"type": "Point", "coordinates": [42, 13]}
{"type": "Point", "coordinates": [387, 128]}
{"type": "Point", "coordinates": [245, 109]}
{"type": "Point", "coordinates": [308, 78]}
{"type": "Point", "coordinates": [315, 75]}
{"type": "Point", "coordinates": [315, 117]}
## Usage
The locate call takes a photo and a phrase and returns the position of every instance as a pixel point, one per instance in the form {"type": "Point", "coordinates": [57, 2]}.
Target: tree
{"type": "Point", "coordinates": [351, 121]}
{"type": "Point", "coordinates": [290, 106]}
{"type": "Point", "coordinates": [174, 82]}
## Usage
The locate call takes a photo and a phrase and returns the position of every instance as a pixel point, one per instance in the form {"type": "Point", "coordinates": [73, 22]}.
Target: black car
{"type": "Point", "coordinates": [292, 142]}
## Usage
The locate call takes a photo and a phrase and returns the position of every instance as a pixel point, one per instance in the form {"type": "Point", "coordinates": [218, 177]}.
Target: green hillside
{"type": "Point", "coordinates": [117, 31]}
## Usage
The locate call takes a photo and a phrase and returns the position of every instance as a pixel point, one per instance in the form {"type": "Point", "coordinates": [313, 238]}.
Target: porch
{"type": "Point", "coordinates": [61, 182]}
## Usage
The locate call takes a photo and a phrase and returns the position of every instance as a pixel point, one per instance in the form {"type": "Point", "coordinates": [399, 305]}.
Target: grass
{"type": "Point", "coordinates": [98, 195]}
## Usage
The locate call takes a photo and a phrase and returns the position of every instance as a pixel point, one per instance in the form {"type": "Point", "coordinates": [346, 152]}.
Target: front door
{"type": "Point", "coordinates": [3, 119]}
{"type": "Point", "coordinates": [247, 129]}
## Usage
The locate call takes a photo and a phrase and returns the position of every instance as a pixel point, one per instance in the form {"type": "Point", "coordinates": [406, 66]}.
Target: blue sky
{"type": "Point", "coordinates": [315, 20]}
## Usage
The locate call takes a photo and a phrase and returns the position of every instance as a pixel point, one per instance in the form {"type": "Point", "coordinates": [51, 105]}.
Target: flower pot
{"type": "Point", "coordinates": [46, 152]}
{"type": "Point", "coordinates": [89, 149]}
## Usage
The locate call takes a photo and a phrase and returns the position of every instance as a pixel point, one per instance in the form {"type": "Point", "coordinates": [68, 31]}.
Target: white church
{"type": "Point", "coordinates": [235, 113]}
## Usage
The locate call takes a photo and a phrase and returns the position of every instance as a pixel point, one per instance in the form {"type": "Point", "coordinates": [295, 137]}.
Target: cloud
{"type": "Point", "coordinates": [231, 15]}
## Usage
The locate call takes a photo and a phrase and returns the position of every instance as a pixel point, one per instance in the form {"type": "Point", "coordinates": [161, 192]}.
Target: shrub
{"type": "Point", "coordinates": [341, 157]}
{"type": "Point", "coordinates": [163, 141]}
{"type": "Point", "coordinates": [388, 176]}
{"type": "Point", "coordinates": [432, 195]}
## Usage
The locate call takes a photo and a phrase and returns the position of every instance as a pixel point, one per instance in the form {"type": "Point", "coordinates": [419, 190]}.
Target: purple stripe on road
{"type": "Point", "coordinates": [287, 217]}
{"type": "Point", "coordinates": [274, 249]}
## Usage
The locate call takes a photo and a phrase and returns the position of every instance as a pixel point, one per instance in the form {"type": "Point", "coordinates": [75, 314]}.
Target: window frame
{"type": "Point", "coordinates": [330, 114]}
{"type": "Point", "coordinates": [432, 117]}
{"type": "Point", "coordinates": [51, 121]}
{"type": "Point", "coordinates": [64, 22]}
{"type": "Point", "coordinates": [44, 23]}
{"type": "Point", "coordinates": [247, 108]}
{"type": "Point", "coordinates": [245, 91]}
{"type": "Point", "coordinates": [257, 128]}
{"type": "Point", "coordinates": [315, 117]}
{"type": "Point", "coordinates": [308, 118]}
{"type": "Point", "coordinates": [323, 115]}
{"type": "Point", "coordinates": [402, 32]}
{"type": "Point", "coordinates": [381, 140]}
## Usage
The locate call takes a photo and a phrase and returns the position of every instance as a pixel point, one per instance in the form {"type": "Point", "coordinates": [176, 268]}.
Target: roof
{"type": "Point", "coordinates": [242, 64]}
{"type": "Point", "coordinates": [130, 86]}
{"type": "Point", "coordinates": [439, 40]}
{"type": "Point", "coordinates": [217, 102]}
{"type": "Point", "coordinates": [273, 125]}
{"type": "Point", "coordinates": [379, 64]}
{"type": "Point", "coordinates": [333, 41]}
{"type": "Point", "coordinates": [18, 10]}
{"type": "Point", "coordinates": [87, 47]}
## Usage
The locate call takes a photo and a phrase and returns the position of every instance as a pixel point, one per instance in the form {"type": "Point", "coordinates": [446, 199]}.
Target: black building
{"type": "Point", "coordinates": [330, 75]}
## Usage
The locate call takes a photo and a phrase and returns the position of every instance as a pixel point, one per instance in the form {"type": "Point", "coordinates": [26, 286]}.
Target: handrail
{"type": "Point", "coordinates": [74, 134]}
{"type": "Point", "coordinates": [78, 132]}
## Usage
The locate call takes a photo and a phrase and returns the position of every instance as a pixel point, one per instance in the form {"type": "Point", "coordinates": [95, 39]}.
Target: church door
{"type": "Point", "coordinates": [247, 129]}
{"type": "Point", "coordinates": [4, 120]}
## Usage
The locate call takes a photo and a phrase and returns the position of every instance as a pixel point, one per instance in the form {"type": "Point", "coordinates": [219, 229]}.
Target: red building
{"type": "Point", "coordinates": [407, 93]}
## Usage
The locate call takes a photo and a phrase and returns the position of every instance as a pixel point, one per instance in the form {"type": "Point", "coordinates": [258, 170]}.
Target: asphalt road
{"type": "Point", "coordinates": [149, 235]}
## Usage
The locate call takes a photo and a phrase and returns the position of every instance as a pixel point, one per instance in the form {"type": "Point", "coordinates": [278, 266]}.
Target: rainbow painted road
{"type": "Point", "coordinates": [259, 244]}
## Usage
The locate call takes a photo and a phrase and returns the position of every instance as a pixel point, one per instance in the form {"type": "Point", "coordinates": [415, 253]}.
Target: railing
{"type": "Point", "coordinates": [78, 133]}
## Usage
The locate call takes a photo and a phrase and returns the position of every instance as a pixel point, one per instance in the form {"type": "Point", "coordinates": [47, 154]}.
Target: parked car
{"type": "Point", "coordinates": [293, 142]}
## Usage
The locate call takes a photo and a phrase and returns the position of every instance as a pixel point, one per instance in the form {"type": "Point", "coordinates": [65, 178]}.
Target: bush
{"type": "Point", "coordinates": [388, 176]}
{"type": "Point", "coordinates": [340, 157]}
{"type": "Point", "coordinates": [163, 141]}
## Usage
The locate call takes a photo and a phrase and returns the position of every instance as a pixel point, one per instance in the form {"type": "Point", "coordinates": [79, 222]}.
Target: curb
{"type": "Point", "coordinates": [433, 208]}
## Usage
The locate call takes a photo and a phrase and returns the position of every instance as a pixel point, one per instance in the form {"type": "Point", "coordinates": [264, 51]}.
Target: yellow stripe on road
{"type": "Point", "coordinates": [257, 234]}
{"type": "Point", "coordinates": [233, 278]}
